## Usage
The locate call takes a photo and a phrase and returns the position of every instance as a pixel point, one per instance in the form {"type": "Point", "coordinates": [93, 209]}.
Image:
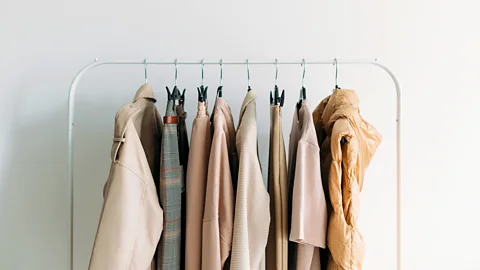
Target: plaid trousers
{"type": "Point", "coordinates": [171, 186]}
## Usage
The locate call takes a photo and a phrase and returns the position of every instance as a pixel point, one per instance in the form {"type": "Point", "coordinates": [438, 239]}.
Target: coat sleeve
{"type": "Point", "coordinates": [309, 211]}
{"type": "Point", "coordinates": [130, 224]}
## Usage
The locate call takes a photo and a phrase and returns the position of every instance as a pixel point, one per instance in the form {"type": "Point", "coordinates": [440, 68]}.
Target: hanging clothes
{"type": "Point", "coordinates": [349, 143]}
{"type": "Point", "coordinates": [309, 212]}
{"type": "Point", "coordinates": [131, 221]}
{"type": "Point", "coordinates": [183, 149]}
{"type": "Point", "coordinates": [196, 185]}
{"type": "Point", "coordinates": [252, 206]}
{"type": "Point", "coordinates": [171, 187]}
{"type": "Point", "coordinates": [217, 228]}
{"type": "Point", "coordinates": [277, 246]}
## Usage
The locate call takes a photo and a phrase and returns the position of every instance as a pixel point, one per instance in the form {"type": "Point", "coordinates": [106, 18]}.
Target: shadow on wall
{"type": "Point", "coordinates": [33, 228]}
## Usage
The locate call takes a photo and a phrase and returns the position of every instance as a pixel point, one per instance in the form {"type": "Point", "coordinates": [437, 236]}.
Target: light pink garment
{"type": "Point", "coordinates": [309, 212]}
{"type": "Point", "coordinates": [201, 140]}
{"type": "Point", "coordinates": [132, 220]}
{"type": "Point", "coordinates": [252, 206]}
{"type": "Point", "coordinates": [219, 198]}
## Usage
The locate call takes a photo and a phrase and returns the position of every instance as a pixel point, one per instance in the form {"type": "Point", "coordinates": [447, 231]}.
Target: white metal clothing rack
{"type": "Point", "coordinates": [78, 78]}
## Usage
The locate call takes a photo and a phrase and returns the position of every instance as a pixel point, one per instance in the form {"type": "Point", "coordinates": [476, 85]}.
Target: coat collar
{"type": "Point", "coordinates": [145, 91]}
{"type": "Point", "coordinates": [222, 109]}
{"type": "Point", "coordinates": [249, 98]}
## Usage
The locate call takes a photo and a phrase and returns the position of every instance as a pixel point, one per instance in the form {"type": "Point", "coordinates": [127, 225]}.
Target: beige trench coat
{"type": "Point", "coordinates": [217, 228]}
{"type": "Point", "coordinates": [201, 140]}
{"type": "Point", "coordinates": [131, 220]}
{"type": "Point", "coordinates": [252, 206]}
{"type": "Point", "coordinates": [309, 211]}
{"type": "Point", "coordinates": [348, 145]}
{"type": "Point", "coordinates": [277, 246]}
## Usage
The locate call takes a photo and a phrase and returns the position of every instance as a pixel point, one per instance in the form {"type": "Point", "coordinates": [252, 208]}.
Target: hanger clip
{"type": "Point", "coordinates": [220, 91]}
{"type": "Point", "coordinates": [202, 93]}
{"type": "Point", "coordinates": [277, 99]}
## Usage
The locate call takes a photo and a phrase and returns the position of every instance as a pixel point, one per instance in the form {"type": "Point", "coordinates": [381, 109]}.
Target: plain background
{"type": "Point", "coordinates": [432, 46]}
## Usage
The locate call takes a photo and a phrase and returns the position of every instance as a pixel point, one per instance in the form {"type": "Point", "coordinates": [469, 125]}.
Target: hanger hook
{"type": "Point", "coordinates": [336, 72]}
{"type": "Point", "coordinates": [303, 74]}
{"type": "Point", "coordinates": [248, 74]}
{"type": "Point", "coordinates": [221, 72]}
{"type": "Point", "coordinates": [276, 70]}
{"type": "Point", "coordinates": [203, 65]}
{"type": "Point", "coordinates": [145, 68]}
{"type": "Point", "coordinates": [176, 71]}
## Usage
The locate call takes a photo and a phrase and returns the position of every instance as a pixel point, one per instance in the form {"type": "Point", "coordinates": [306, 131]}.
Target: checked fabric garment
{"type": "Point", "coordinates": [171, 187]}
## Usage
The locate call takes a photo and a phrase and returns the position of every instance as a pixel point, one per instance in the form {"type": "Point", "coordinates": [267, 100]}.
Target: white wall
{"type": "Point", "coordinates": [431, 45]}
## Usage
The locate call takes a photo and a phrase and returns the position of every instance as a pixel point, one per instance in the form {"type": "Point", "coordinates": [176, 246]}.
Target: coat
{"type": "Point", "coordinates": [201, 141]}
{"type": "Point", "coordinates": [131, 221]}
{"type": "Point", "coordinates": [309, 211]}
{"type": "Point", "coordinates": [348, 145]}
{"type": "Point", "coordinates": [252, 205]}
{"type": "Point", "coordinates": [277, 246]}
{"type": "Point", "coordinates": [171, 189]}
{"type": "Point", "coordinates": [217, 230]}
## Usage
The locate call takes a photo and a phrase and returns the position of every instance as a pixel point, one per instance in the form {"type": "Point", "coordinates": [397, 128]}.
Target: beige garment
{"type": "Point", "coordinates": [201, 140]}
{"type": "Point", "coordinates": [309, 213]}
{"type": "Point", "coordinates": [277, 246]}
{"type": "Point", "coordinates": [131, 220]}
{"type": "Point", "coordinates": [252, 206]}
{"type": "Point", "coordinates": [219, 197]}
{"type": "Point", "coordinates": [350, 143]}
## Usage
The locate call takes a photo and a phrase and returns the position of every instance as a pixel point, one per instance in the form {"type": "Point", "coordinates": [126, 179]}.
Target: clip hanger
{"type": "Point", "coordinates": [202, 90]}
{"type": "Point", "coordinates": [220, 88]}
{"type": "Point", "coordinates": [277, 99]}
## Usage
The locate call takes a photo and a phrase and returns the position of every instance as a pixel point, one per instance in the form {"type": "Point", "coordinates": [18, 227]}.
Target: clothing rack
{"type": "Point", "coordinates": [97, 62]}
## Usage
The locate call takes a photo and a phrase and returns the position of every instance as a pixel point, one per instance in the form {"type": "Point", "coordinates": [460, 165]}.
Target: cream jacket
{"type": "Point", "coordinates": [217, 228]}
{"type": "Point", "coordinates": [348, 145]}
{"type": "Point", "coordinates": [131, 220]}
{"type": "Point", "coordinates": [201, 141]}
{"type": "Point", "coordinates": [309, 212]}
{"type": "Point", "coordinates": [252, 206]}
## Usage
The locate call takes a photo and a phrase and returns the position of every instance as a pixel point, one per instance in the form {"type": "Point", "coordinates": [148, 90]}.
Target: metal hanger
{"type": "Point", "coordinates": [248, 77]}
{"type": "Point", "coordinates": [277, 99]}
{"type": "Point", "coordinates": [175, 94]}
{"type": "Point", "coordinates": [145, 67]}
{"type": "Point", "coordinates": [303, 90]}
{"type": "Point", "coordinates": [335, 63]}
{"type": "Point", "coordinates": [202, 90]}
{"type": "Point", "coordinates": [220, 88]}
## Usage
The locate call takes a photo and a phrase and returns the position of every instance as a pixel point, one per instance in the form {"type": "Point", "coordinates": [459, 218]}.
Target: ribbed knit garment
{"type": "Point", "coordinates": [252, 206]}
